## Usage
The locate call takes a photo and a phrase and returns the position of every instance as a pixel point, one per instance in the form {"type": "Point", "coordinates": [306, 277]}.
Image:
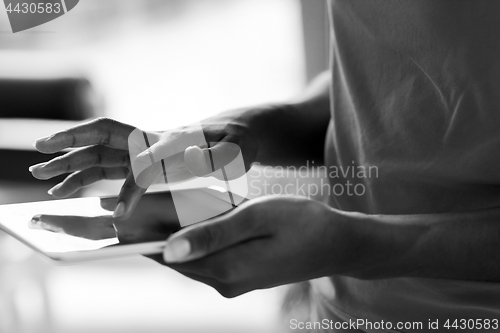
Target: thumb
{"type": "Point", "coordinates": [209, 237]}
{"type": "Point", "coordinates": [205, 162]}
{"type": "Point", "coordinates": [152, 165]}
{"type": "Point", "coordinates": [129, 197]}
{"type": "Point", "coordinates": [94, 228]}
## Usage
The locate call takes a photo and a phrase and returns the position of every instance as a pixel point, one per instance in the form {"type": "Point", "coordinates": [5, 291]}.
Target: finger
{"type": "Point", "coordinates": [228, 265]}
{"type": "Point", "coordinates": [233, 271]}
{"type": "Point", "coordinates": [83, 178]}
{"type": "Point", "coordinates": [95, 228]}
{"type": "Point", "coordinates": [160, 157]}
{"type": "Point", "coordinates": [129, 197]}
{"type": "Point", "coordinates": [154, 174]}
{"type": "Point", "coordinates": [158, 257]}
{"type": "Point", "coordinates": [222, 160]}
{"type": "Point", "coordinates": [79, 160]}
{"type": "Point", "coordinates": [200, 278]}
{"type": "Point", "coordinates": [42, 222]}
{"type": "Point", "coordinates": [168, 171]}
{"type": "Point", "coordinates": [209, 237]}
{"type": "Point", "coordinates": [109, 203]}
{"type": "Point", "coordinates": [148, 148]}
{"type": "Point", "coordinates": [100, 131]}
{"type": "Point", "coordinates": [191, 273]}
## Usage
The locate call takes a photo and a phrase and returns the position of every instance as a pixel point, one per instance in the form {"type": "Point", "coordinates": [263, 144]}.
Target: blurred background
{"type": "Point", "coordinates": [156, 64]}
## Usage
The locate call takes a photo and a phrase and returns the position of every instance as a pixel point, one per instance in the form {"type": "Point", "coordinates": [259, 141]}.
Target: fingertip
{"type": "Point", "coordinates": [196, 161]}
{"type": "Point", "coordinates": [40, 143]}
{"type": "Point", "coordinates": [53, 143]}
{"type": "Point", "coordinates": [129, 204]}
{"type": "Point", "coordinates": [119, 210]}
{"type": "Point", "coordinates": [42, 139]}
{"type": "Point", "coordinates": [54, 189]}
{"type": "Point", "coordinates": [128, 198]}
{"type": "Point", "coordinates": [36, 167]}
{"type": "Point", "coordinates": [108, 204]}
{"type": "Point", "coordinates": [177, 250]}
{"type": "Point", "coordinates": [38, 172]}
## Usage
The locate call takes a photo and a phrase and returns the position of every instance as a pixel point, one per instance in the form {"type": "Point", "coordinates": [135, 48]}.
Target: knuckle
{"type": "Point", "coordinates": [223, 274]}
{"type": "Point", "coordinates": [256, 224]}
{"type": "Point", "coordinates": [75, 180]}
{"type": "Point", "coordinates": [212, 237]}
{"type": "Point", "coordinates": [103, 174]}
{"type": "Point", "coordinates": [125, 159]}
{"type": "Point", "coordinates": [70, 134]}
{"type": "Point", "coordinates": [64, 164]}
{"type": "Point", "coordinates": [149, 153]}
{"type": "Point", "coordinates": [103, 120]}
{"type": "Point", "coordinates": [224, 270]}
{"type": "Point", "coordinates": [124, 172]}
{"type": "Point", "coordinates": [98, 156]}
{"type": "Point", "coordinates": [253, 221]}
{"type": "Point", "coordinates": [227, 128]}
{"type": "Point", "coordinates": [104, 124]}
{"type": "Point", "coordinates": [105, 138]}
{"type": "Point", "coordinates": [235, 130]}
{"type": "Point", "coordinates": [228, 291]}
{"type": "Point", "coordinates": [78, 180]}
{"type": "Point", "coordinates": [129, 185]}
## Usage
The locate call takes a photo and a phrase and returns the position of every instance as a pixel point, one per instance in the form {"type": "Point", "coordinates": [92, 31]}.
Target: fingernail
{"type": "Point", "coordinates": [36, 166]}
{"type": "Point", "coordinates": [39, 226]}
{"type": "Point", "coordinates": [176, 250]}
{"type": "Point", "coordinates": [35, 221]}
{"type": "Point", "coordinates": [119, 210]}
{"type": "Point", "coordinates": [55, 188]}
{"type": "Point", "coordinates": [36, 225]}
{"type": "Point", "coordinates": [45, 138]}
{"type": "Point", "coordinates": [196, 161]}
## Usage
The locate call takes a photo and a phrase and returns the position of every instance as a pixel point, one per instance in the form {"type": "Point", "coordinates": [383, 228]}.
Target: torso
{"type": "Point", "coordinates": [415, 93]}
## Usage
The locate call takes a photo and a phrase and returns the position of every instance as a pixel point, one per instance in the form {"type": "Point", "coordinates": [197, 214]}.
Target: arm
{"type": "Point", "coordinates": [294, 133]}
{"type": "Point", "coordinates": [277, 240]}
{"type": "Point", "coordinates": [464, 246]}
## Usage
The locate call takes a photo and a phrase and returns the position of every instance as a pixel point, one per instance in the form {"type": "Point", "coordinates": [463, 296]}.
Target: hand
{"type": "Point", "coordinates": [154, 219]}
{"type": "Point", "coordinates": [266, 242]}
{"type": "Point", "coordinates": [94, 228]}
{"type": "Point", "coordinates": [105, 154]}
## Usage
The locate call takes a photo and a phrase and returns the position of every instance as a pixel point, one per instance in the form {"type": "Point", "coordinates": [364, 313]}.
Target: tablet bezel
{"type": "Point", "coordinates": [146, 248]}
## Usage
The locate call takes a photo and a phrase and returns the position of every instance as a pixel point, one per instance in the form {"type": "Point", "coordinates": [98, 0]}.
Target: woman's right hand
{"type": "Point", "coordinates": [105, 152]}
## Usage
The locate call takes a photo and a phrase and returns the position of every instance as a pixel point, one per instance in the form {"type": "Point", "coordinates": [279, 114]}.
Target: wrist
{"type": "Point", "coordinates": [266, 129]}
{"type": "Point", "coordinates": [380, 248]}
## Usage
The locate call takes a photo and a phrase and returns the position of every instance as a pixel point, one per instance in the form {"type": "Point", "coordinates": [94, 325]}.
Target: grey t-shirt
{"type": "Point", "coordinates": [416, 94]}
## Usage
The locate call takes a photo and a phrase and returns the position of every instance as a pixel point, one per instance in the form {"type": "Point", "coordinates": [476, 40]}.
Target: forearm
{"type": "Point", "coordinates": [290, 133]}
{"type": "Point", "coordinates": [464, 246]}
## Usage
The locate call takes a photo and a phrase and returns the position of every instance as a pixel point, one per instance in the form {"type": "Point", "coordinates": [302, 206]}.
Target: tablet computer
{"type": "Point", "coordinates": [83, 229]}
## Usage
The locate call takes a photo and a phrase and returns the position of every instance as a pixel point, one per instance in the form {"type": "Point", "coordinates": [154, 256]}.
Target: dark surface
{"type": "Point", "coordinates": [14, 166]}
{"type": "Point", "coordinates": [61, 98]}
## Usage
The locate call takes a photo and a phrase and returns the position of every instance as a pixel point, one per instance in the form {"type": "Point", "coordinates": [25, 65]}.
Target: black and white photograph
{"type": "Point", "coordinates": [249, 166]}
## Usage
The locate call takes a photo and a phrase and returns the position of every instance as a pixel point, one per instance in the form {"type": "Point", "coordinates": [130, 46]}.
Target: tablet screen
{"type": "Point", "coordinates": [85, 224]}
